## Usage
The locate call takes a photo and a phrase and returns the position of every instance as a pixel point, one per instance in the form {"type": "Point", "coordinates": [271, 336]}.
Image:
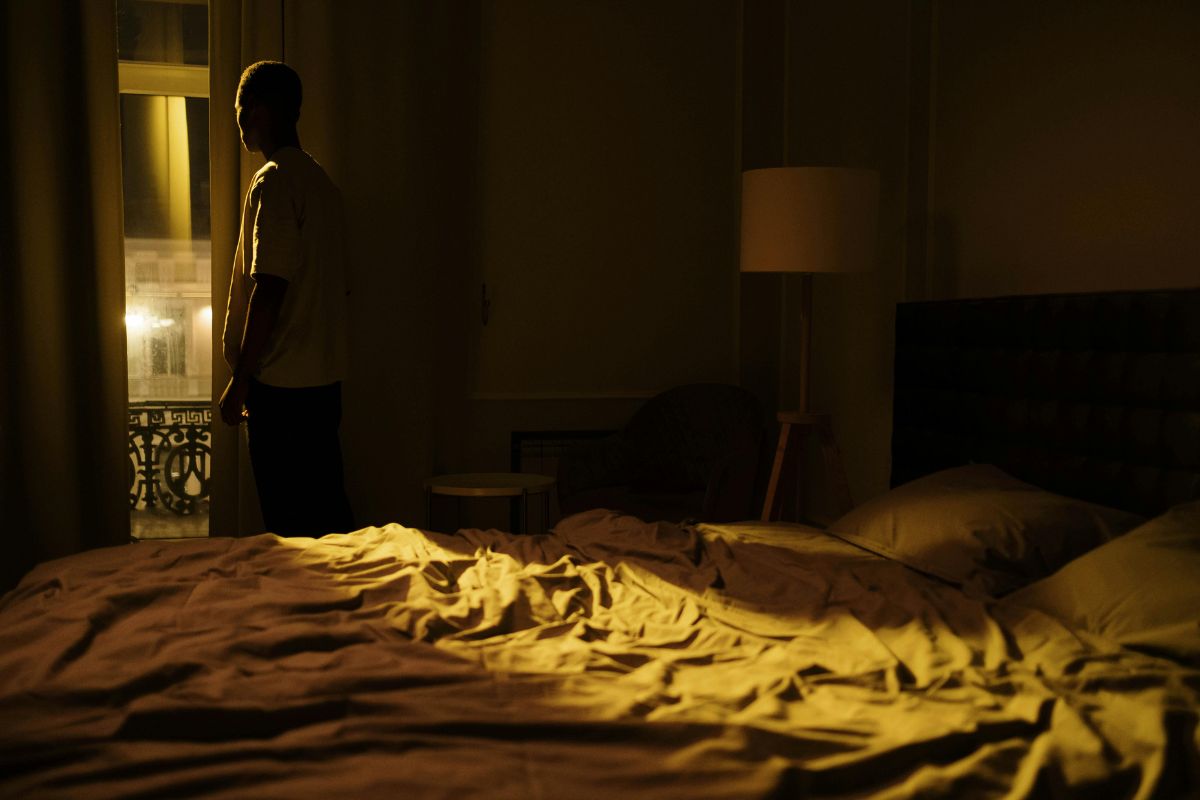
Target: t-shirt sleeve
{"type": "Point", "coordinates": [276, 228]}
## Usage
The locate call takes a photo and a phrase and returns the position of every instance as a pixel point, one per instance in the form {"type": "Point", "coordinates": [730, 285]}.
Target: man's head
{"type": "Point", "coordinates": [268, 104]}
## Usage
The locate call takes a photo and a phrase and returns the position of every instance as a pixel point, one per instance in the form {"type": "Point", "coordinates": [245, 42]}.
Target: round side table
{"type": "Point", "coordinates": [514, 485]}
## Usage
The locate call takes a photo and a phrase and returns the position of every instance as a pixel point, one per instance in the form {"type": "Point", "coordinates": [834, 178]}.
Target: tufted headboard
{"type": "Point", "coordinates": [1095, 396]}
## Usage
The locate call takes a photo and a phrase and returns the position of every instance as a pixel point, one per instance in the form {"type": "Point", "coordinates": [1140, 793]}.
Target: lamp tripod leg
{"type": "Point", "coordinates": [768, 510]}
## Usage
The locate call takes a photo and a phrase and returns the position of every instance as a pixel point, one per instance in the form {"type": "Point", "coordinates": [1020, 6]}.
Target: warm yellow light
{"type": "Point", "coordinates": [164, 323]}
{"type": "Point", "coordinates": [206, 314]}
{"type": "Point", "coordinates": [135, 321]}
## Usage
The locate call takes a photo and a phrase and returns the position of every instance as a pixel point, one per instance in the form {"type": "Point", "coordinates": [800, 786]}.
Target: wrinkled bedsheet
{"type": "Point", "coordinates": [609, 658]}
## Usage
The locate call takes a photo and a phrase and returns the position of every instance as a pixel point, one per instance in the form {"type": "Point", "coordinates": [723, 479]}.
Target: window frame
{"type": "Point", "coordinates": [157, 78]}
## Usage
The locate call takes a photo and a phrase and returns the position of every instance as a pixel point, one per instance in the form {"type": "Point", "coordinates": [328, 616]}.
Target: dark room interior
{"type": "Point", "coordinates": [641, 506]}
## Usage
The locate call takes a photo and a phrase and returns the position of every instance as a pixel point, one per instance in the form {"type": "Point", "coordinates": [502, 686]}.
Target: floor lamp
{"type": "Point", "coordinates": [807, 220]}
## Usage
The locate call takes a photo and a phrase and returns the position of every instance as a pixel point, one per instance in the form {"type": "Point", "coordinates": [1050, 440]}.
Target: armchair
{"type": "Point", "coordinates": [692, 452]}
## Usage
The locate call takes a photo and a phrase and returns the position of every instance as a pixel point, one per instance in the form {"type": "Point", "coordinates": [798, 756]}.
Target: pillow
{"type": "Point", "coordinates": [980, 528]}
{"type": "Point", "coordinates": [1140, 590]}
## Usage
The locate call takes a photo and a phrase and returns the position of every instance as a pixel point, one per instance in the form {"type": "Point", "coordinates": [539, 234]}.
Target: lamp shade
{"type": "Point", "coordinates": [809, 219]}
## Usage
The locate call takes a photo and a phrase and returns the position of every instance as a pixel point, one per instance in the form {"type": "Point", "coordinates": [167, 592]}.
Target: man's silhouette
{"type": "Point", "coordinates": [285, 326]}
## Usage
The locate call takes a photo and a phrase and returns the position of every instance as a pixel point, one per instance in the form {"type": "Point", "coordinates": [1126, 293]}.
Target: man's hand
{"type": "Point", "coordinates": [266, 298]}
{"type": "Point", "coordinates": [233, 401]}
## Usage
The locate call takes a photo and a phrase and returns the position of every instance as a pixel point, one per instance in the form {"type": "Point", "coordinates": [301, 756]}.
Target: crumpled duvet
{"type": "Point", "coordinates": [609, 658]}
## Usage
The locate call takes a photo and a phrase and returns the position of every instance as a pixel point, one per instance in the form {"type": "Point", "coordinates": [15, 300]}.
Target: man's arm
{"type": "Point", "coordinates": [266, 300]}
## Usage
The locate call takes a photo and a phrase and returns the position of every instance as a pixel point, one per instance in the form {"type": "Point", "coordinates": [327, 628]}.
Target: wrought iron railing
{"type": "Point", "coordinates": [169, 455]}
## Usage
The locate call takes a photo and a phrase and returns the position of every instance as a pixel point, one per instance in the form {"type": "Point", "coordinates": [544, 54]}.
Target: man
{"type": "Point", "coordinates": [285, 325]}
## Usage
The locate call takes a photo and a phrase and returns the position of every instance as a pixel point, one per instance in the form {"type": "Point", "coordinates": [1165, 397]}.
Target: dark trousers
{"type": "Point", "coordinates": [297, 458]}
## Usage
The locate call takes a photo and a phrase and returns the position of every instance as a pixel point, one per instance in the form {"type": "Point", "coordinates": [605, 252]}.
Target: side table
{"type": "Point", "coordinates": [514, 485]}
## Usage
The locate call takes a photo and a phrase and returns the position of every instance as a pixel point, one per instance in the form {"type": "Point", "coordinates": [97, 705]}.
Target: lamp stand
{"type": "Point", "coordinates": [806, 293]}
{"type": "Point", "coordinates": [806, 422]}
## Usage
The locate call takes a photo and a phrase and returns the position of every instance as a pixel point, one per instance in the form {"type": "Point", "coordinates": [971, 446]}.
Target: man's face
{"type": "Point", "coordinates": [251, 120]}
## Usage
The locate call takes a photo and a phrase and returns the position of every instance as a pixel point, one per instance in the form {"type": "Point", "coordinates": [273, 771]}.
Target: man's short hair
{"type": "Point", "coordinates": [275, 85]}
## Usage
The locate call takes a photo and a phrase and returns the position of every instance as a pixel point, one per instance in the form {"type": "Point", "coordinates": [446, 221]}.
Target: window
{"type": "Point", "coordinates": [163, 73]}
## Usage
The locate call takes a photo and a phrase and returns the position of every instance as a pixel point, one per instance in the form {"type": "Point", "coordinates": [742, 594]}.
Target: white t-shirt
{"type": "Point", "coordinates": [294, 226]}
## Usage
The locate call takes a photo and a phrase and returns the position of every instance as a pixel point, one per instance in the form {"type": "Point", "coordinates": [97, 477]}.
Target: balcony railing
{"type": "Point", "coordinates": [169, 455]}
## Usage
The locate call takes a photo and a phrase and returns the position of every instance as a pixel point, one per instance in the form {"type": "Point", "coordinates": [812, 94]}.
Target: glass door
{"type": "Point", "coordinates": [163, 69]}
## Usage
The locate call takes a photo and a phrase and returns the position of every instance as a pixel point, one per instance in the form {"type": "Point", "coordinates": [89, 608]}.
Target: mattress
{"type": "Point", "coordinates": [608, 658]}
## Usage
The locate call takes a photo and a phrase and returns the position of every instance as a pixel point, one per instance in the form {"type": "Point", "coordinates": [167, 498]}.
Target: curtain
{"type": "Point", "coordinates": [240, 33]}
{"type": "Point", "coordinates": [64, 479]}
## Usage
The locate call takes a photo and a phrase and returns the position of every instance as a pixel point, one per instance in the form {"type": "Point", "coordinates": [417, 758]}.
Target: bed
{"type": "Point", "coordinates": [978, 631]}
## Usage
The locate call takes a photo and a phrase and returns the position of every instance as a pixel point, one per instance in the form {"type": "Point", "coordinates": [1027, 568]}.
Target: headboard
{"type": "Point", "coordinates": [1095, 396]}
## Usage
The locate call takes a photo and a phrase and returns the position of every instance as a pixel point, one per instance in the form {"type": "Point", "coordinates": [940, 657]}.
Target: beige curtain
{"type": "Point", "coordinates": [240, 33]}
{"type": "Point", "coordinates": [64, 484]}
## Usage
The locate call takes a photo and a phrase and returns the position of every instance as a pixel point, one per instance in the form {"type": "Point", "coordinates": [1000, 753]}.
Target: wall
{"type": "Point", "coordinates": [606, 219]}
{"type": "Point", "coordinates": [1063, 147]}
{"type": "Point", "coordinates": [604, 223]}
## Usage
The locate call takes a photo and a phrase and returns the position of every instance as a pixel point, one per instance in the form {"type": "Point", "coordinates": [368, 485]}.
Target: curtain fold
{"type": "Point", "coordinates": [64, 484]}
{"type": "Point", "coordinates": [240, 33]}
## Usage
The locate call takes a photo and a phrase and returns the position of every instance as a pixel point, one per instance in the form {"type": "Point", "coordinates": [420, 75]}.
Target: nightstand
{"type": "Point", "coordinates": [514, 485]}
